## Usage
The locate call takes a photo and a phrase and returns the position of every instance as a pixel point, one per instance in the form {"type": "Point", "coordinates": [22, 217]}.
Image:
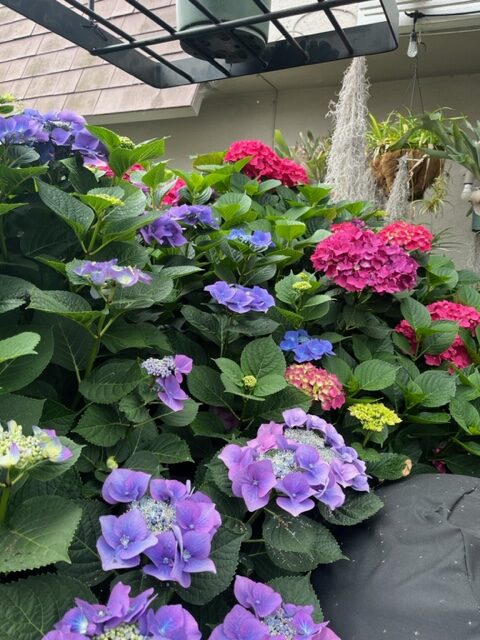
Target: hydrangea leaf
{"type": "Point", "coordinates": [112, 381]}
{"type": "Point", "coordinates": [31, 607]}
{"type": "Point", "coordinates": [85, 563]}
{"type": "Point", "coordinates": [38, 533]}
{"type": "Point", "coordinates": [298, 542]}
{"type": "Point", "coordinates": [275, 405]}
{"type": "Point", "coordinates": [25, 411]}
{"type": "Point", "coordinates": [100, 425]}
{"type": "Point", "coordinates": [23, 344]}
{"type": "Point", "coordinates": [178, 418]}
{"type": "Point", "coordinates": [76, 214]}
{"type": "Point", "coordinates": [415, 313]}
{"type": "Point", "coordinates": [170, 449]}
{"type": "Point", "coordinates": [374, 375]}
{"type": "Point", "coordinates": [16, 374]}
{"type": "Point", "coordinates": [225, 554]}
{"type": "Point", "coordinates": [65, 304]}
{"type": "Point", "coordinates": [205, 385]}
{"type": "Point", "coordinates": [438, 388]}
{"type": "Point", "coordinates": [262, 357]}
{"type": "Point", "coordinates": [357, 508]}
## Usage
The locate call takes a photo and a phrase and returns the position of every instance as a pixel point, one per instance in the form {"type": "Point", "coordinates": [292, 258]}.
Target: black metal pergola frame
{"type": "Point", "coordinates": [87, 28]}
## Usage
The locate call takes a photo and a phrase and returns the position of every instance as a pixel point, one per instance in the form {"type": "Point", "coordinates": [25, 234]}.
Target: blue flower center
{"type": "Point", "coordinates": [313, 439]}
{"type": "Point", "coordinates": [279, 625]}
{"type": "Point", "coordinates": [159, 515]}
{"type": "Point", "coordinates": [283, 462]}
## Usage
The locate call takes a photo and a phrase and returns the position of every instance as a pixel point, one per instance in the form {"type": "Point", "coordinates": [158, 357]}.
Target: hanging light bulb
{"type": "Point", "coordinates": [412, 51]}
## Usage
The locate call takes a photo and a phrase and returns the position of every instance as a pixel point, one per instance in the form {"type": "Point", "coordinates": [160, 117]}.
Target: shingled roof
{"type": "Point", "coordinates": [47, 72]}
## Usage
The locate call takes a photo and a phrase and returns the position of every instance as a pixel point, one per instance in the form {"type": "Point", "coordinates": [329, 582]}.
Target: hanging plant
{"type": "Point", "coordinates": [401, 136]}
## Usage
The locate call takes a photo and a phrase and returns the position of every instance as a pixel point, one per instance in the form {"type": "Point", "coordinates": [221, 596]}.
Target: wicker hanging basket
{"type": "Point", "coordinates": [423, 170]}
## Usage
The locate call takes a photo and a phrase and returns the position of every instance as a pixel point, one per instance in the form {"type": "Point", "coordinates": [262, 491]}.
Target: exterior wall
{"type": "Point", "coordinates": [226, 117]}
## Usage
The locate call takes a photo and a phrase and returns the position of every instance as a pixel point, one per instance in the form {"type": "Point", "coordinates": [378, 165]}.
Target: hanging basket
{"type": "Point", "coordinates": [423, 170]}
{"type": "Point", "coordinates": [225, 45]}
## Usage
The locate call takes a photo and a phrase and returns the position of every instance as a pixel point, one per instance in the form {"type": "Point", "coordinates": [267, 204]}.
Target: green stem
{"type": "Point", "coordinates": [4, 503]}
{"type": "Point", "coordinates": [95, 347]}
{"type": "Point", "coordinates": [253, 517]}
{"type": "Point", "coordinates": [253, 541]}
{"type": "Point", "coordinates": [3, 242]}
{"type": "Point", "coordinates": [366, 439]}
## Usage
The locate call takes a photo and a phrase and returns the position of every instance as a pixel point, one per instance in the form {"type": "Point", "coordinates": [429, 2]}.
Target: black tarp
{"type": "Point", "coordinates": [414, 569]}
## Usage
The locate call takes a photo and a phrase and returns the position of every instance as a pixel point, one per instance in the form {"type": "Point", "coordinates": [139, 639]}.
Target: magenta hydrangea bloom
{"type": "Point", "coordinates": [240, 299]}
{"type": "Point", "coordinates": [299, 462]}
{"type": "Point", "coordinates": [357, 259]}
{"type": "Point", "coordinates": [127, 618]}
{"type": "Point", "coordinates": [168, 373]}
{"type": "Point", "coordinates": [262, 615]}
{"type": "Point", "coordinates": [164, 520]}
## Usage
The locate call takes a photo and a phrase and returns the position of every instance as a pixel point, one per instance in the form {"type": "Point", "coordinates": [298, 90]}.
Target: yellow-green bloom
{"type": "Point", "coordinates": [249, 382]}
{"type": "Point", "coordinates": [302, 285]}
{"type": "Point", "coordinates": [375, 416]}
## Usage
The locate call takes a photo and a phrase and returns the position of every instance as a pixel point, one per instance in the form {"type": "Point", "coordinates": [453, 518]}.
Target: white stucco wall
{"type": "Point", "coordinates": [225, 117]}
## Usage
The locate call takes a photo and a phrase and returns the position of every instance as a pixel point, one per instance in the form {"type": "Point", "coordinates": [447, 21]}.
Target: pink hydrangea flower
{"type": "Point", "coordinates": [465, 316]}
{"type": "Point", "coordinates": [265, 163]}
{"type": "Point", "coordinates": [173, 196]}
{"type": "Point", "coordinates": [412, 237]}
{"type": "Point", "coordinates": [356, 259]}
{"type": "Point", "coordinates": [317, 383]}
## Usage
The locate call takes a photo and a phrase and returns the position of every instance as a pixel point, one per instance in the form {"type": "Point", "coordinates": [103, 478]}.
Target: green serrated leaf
{"type": "Point", "coordinates": [85, 563]}
{"type": "Point", "coordinates": [38, 533]}
{"type": "Point", "coordinates": [31, 607]}
{"type": "Point", "coordinates": [76, 214]}
{"type": "Point", "coordinates": [110, 382]}
{"type": "Point", "coordinates": [356, 508]}
{"type": "Point", "coordinates": [100, 425]}
{"type": "Point", "coordinates": [261, 358]}
{"type": "Point", "coordinates": [299, 591]}
{"type": "Point", "coordinates": [374, 375]}
{"type": "Point", "coordinates": [23, 344]}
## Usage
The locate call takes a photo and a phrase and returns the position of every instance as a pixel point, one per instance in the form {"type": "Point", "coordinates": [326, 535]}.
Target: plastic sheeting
{"type": "Point", "coordinates": [413, 569]}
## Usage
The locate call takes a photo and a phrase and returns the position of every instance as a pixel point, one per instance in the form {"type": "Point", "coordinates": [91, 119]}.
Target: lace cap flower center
{"type": "Point", "coordinates": [279, 625]}
{"type": "Point", "coordinates": [159, 516]}
{"type": "Point", "coordinates": [309, 437]}
{"type": "Point", "coordinates": [160, 367]}
{"type": "Point", "coordinates": [283, 462]}
{"type": "Point", "coordinates": [123, 632]}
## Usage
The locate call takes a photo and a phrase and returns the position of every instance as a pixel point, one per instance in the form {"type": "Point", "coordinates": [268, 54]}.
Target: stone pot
{"type": "Point", "coordinates": [222, 45]}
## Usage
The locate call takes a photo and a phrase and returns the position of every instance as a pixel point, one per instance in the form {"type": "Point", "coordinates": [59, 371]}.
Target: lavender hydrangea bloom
{"type": "Point", "coordinates": [106, 274]}
{"type": "Point", "coordinates": [257, 240]}
{"type": "Point", "coordinates": [123, 540]}
{"type": "Point", "coordinates": [168, 373]}
{"type": "Point", "coordinates": [194, 214]}
{"type": "Point", "coordinates": [91, 149]}
{"type": "Point", "coordinates": [240, 299]}
{"type": "Point", "coordinates": [124, 485]}
{"type": "Point", "coordinates": [165, 231]}
{"type": "Point", "coordinates": [262, 615]}
{"type": "Point", "coordinates": [304, 347]}
{"type": "Point", "coordinates": [166, 521]}
{"type": "Point", "coordinates": [125, 617]}
{"type": "Point", "coordinates": [301, 461]}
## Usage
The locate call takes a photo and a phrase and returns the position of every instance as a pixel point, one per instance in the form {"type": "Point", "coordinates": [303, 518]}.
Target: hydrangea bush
{"type": "Point", "coordinates": [213, 370]}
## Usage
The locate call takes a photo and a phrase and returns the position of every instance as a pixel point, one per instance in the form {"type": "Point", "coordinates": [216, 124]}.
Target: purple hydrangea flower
{"type": "Point", "coordinates": [124, 485]}
{"type": "Point", "coordinates": [123, 540]}
{"type": "Point", "coordinates": [304, 347]}
{"type": "Point", "coordinates": [171, 622]}
{"type": "Point", "coordinates": [299, 462]}
{"type": "Point", "coordinates": [167, 522]}
{"type": "Point", "coordinates": [91, 149]}
{"type": "Point", "coordinates": [262, 615]}
{"type": "Point", "coordinates": [168, 373]}
{"type": "Point", "coordinates": [125, 617]}
{"type": "Point", "coordinates": [165, 231]}
{"type": "Point", "coordinates": [240, 299]}
{"type": "Point", "coordinates": [194, 214]}
{"type": "Point", "coordinates": [21, 129]}
{"type": "Point", "coordinates": [257, 240]}
{"type": "Point", "coordinates": [106, 274]}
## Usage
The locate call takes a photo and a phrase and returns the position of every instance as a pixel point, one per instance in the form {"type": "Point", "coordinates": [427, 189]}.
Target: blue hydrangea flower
{"type": "Point", "coordinates": [240, 299]}
{"type": "Point", "coordinates": [258, 240]}
{"type": "Point", "coordinates": [304, 347]}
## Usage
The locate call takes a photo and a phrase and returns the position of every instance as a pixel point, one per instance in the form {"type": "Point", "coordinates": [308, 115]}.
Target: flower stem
{"type": "Point", "coordinates": [366, 439]}
{"type": "Point", "coordinates": [95, 347]}
{"type": "Point", "coordinates": [3, 242]}
{"type": "Point", "coordinates": [4, 503]}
